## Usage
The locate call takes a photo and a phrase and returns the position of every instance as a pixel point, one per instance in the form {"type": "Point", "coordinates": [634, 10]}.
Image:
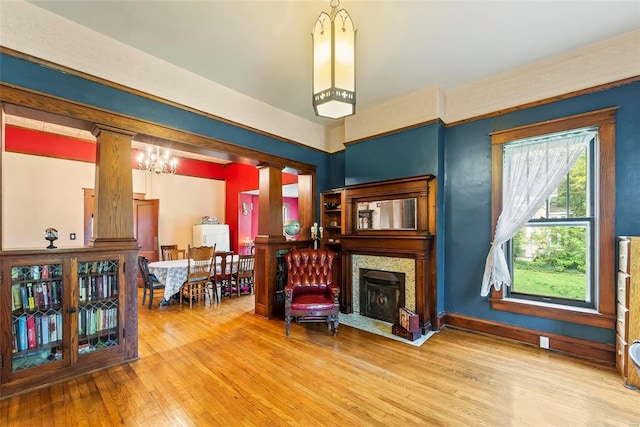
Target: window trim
{"type": "Point", "coordinates": [604, 315]}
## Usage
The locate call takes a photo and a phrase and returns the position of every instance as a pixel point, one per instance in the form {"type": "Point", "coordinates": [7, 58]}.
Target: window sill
{"type": "Point", "coordinates": [554, 311]}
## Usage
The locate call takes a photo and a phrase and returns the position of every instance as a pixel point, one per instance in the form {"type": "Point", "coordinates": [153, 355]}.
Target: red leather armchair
{"type": "Point", "coordinates": [309, 294]}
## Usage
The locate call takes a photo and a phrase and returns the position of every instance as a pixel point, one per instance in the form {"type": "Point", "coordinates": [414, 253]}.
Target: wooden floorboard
{"type": "Point", "coordinates": [222, 365]}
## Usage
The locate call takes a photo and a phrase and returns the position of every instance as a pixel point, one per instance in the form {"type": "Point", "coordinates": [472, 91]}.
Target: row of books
{"type": "Point", "coordinates": [97, 267]}
{"type": "Point", "coordinates": [36, 272]}
{"type": "Point", "coordinates": [36, 295]}
{"type": "Point", "coordinates": [97, 319]}
{"type": "Point", "coordinates": [33, 331]}
{"type": "Point", "coordinates": [94, 288]}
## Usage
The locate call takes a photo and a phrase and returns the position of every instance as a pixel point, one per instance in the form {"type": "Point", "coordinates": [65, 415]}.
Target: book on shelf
{"type": "Point", "coordinates": [53, 333]}
{"type": "Point", "coordinates": [14, 334]}
{"type": "Point", "coordinates": [23, 297]}
{"type": "Point", "coordinates": [82, 285]}
{"type": "Point", "coordinates": [30, 296]}
{"type": "Point", "coordinates": [45, 294]}
{"type": "Point", "coordinates": [44, 326]}
{"type": "Point", "coordinates": [16, 302]}
{"type": "Point", "coordinates": [55, 292]}
{"type": "Point", "coordinates": [31, 332]}
{"type": "Point", "coordinates": [22, 333]}
{"type": "Point", "coordinates": [39, 297]}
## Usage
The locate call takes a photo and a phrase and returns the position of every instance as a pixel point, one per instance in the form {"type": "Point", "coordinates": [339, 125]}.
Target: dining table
{"type": "Point", "coordinates": [173, 273]}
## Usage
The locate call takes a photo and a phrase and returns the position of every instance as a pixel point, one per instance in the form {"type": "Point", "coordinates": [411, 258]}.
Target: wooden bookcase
{"type": "Point", "coordinates": [332, 222]}
{"type": "Point", "coordinates": [332, 218]}
{"type": "Point", "coordinates": [65, 312]}
{"type": "Point", "coordinates": [628, 307]}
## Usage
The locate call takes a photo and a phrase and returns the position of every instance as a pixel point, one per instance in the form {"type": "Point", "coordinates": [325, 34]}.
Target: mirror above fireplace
{"type": "Point", "coordinates": [397, 214]}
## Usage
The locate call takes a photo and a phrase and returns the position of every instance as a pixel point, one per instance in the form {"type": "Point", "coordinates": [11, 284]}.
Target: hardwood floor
{"type": "Point", "coordinates": [222, 365]}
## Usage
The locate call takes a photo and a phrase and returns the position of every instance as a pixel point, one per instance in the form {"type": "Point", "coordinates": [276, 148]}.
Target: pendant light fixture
{"type": "Point", "coordinates": [334, 65]}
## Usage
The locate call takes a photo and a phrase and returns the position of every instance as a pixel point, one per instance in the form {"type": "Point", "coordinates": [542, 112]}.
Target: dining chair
{"type": "Point", "coordinates": [243, 278]}
{"type": "Point", "coordinates": [223, 273]}
{"type": "Point", "coordinates": [164, 248]}
{"type": "Point", "coordinates": [172, 254]}
{"type": "Point", "coordinates": [199, 271]}
{"type": "Point", "coordinates": [150, 281]}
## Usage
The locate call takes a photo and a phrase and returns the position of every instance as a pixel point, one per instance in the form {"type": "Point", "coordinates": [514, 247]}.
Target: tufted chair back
{"type": "Point", "coordinates": [309, 270]}
{"type": "Point", "coordinates": [310, 295]}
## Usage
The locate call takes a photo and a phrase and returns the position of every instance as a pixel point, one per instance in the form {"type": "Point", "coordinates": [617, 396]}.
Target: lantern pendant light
{"type": "Point", "coordinates": [334, 67]}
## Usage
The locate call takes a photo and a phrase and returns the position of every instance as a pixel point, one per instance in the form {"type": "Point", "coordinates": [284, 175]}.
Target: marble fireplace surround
{"type": "Point", "coordinates": [383, 263]}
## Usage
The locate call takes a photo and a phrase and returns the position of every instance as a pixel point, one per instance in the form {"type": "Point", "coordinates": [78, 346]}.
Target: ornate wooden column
{"type": "Point", "coordinates": [269, 238]}
{"type": "Point", "coordinates": [113, 214]}
{"type": "Point", "coordinates": [306, 204]}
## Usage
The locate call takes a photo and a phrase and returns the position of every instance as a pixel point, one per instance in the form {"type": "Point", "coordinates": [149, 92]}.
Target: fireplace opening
{"type": "Point", "coordinates": [381, 294]}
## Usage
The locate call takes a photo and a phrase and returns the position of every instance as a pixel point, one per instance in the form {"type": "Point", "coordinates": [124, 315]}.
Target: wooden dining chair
{"type": "Point", "coordinates": [173, 254]}
{"type": "Point", "coordinates": [223, 273]}
{"type": "Point", "coordinates": [150, 281]}
{"type": "Point", "coordinates": [165, 248]}
{"type": "Point", "coordinates": [243, 278]}
{"type": "Point", "coordinates": [199, 272]}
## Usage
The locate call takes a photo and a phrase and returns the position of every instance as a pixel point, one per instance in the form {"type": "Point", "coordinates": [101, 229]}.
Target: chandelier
{"type": "Point", "coordinates": [334, 64]}
{"type": "Point", "coordinates": [153, 161]}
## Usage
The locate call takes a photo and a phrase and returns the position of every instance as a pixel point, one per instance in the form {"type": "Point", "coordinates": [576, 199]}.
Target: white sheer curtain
{"type": "Point", "coordinates": [531, 171]}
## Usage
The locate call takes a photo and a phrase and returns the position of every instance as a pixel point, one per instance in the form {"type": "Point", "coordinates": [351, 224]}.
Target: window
{"type": "Point", "coordinates": [551, 258]}
{"type": "Point", "coordinates": [562, 261]}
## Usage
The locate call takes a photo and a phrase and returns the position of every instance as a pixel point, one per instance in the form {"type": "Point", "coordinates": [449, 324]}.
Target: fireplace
{"type": "Point", "coordinates": [381, 294]}
{"type": "Point", "coordinates": [406, 252]}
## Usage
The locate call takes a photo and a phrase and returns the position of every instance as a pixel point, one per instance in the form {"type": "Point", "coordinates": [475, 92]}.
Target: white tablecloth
{"type": "Point", "coordinates": [173, 274]}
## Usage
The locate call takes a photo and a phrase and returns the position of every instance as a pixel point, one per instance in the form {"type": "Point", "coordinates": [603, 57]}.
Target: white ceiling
{"type": "Point", "coordinates": [263, 48]}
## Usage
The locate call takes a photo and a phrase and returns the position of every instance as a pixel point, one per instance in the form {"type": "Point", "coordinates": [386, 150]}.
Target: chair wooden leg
{"type": "Point", "coordinates": [287, 322]}
{"type": "Point", "coordinates": [144, 295]}
{"type": "Point", "coordinates": [150, 298]}
{"type": "Point", "coordinates": [336, 322]}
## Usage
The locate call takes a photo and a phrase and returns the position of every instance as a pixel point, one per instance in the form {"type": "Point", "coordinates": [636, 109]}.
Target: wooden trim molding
{"type": "Point", "coordinates": [178, 138]}
{"type": "Point", "coordinates": [604, 316]}
{"type": "Point", "coordinates": [549, 100]}
{"type": "Point", "coordinates": [391, 132]}
{"type": "Point", "coordinates": [109, 83]}
{"type": "Point", "coordinates": [595, 351]}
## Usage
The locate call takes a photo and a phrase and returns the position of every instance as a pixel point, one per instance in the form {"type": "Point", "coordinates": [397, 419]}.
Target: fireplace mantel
{"type": "Point", "coordinates": [417, 244]}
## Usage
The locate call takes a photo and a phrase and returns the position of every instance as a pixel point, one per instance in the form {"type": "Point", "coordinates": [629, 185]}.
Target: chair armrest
{"type": "Point", "coordinates": [288, 293]}
{"type": "Point", "coordinates": [334, 290]}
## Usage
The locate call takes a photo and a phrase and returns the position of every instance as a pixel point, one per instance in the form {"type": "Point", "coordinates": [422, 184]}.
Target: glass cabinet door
{"type": "Point", "coordinates": [36, 315]}
{"type": "Point", "coordinates": [98, 306]}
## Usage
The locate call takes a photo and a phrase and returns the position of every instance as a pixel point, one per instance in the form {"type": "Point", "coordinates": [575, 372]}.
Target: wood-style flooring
{"type": "Point", "coordinates": [222, 365]}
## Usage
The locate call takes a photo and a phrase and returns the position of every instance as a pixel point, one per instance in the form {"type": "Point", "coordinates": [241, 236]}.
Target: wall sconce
{"type": "Point", "coordinates": [246, 208]}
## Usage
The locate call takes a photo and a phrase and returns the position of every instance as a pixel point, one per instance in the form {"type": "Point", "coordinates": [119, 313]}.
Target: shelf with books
{"type": "Point", "coordinates": [98, 305]}
{"type": "Point", "coordinates": [36, 316]}
{"type": "Point", "coordinates": [64, 312]}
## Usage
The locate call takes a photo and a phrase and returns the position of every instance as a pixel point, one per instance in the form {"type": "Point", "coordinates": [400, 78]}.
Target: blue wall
{"type": "Point", "coordinates": [468, 200]}
{"type": "Point", "coordinates": [417, 151]}
{"type": "Point", "coordinates": [42, 79]}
